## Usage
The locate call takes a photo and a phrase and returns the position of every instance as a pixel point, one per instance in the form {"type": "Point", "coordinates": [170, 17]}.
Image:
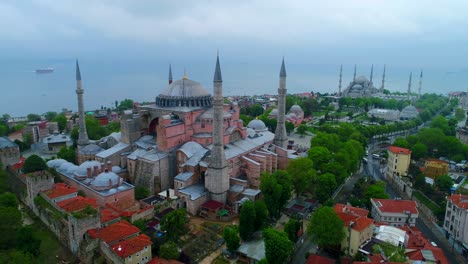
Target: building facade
{"type": "Point", "coordinates": [394, 212]}
{"type": "Point", "coordinates": [399, 160]}
{"type": "Point", "coordinates": [456, 217]}
{"type": "Point", "coordinates": [9, 152]}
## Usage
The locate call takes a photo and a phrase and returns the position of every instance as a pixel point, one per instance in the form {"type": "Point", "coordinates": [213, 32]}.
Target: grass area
{"type": "Point", "coordinates": [430, 204]}
{"type": "Point", "coordinates": [318, 113]}
{"type": "Point", "coordinates": [393, 253]}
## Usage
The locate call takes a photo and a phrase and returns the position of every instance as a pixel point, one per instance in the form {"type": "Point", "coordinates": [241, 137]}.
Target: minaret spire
{"type": "Point", "coordinates": [281, 137]}
{"type": "Point", "coordinates": [341, 78]}
{"type": "Point", "coordinates": [217, 177]}
{"type": "Point", "coordinates": [354, 77]}
{"type": "Point", "coordinates": [383, 80]}
{"type": "Point", "coordinates": [420, 84]}
{"type": "Point", "coordinates": [409, 86]}
{"type": "Point", "coordinates": [83, 135]}
{"type": "Point", "coordinates": [170, 74]}
{"type": "Point", "coordinates": [371, 73]}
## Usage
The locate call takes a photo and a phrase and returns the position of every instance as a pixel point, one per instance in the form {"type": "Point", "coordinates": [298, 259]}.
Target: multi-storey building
{"type": "Point", "coordinates": [398, 161]}
{"type": "Point", "coordinates": [9, 152]}
{"type": "Point", "coordinates": [456, 217]}
{"type": "Point", "coordinates": [394, 212]}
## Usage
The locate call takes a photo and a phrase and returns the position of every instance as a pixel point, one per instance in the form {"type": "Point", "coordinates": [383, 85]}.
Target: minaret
{"type": "Point", "coordinates": [420, 84]}
{"type": "Point", "coordinates": [83, 135]}
{"type": "Point", "coordinates": [371, 73]}
{"type": "Point", "coordinates": [280, 134]}
{"type": "Point", "coordinates": [339, 83]}
{"type": "Point", "coordinates": [354, 77]}
{"type": "Point", "coordinates": [217, 178]}
{"type": "Point", "coordinates": [170, 74]}
{"type": "Point", "coordinates": [409, 86]}
{"type": "Point", "coordinates": [383, 80]}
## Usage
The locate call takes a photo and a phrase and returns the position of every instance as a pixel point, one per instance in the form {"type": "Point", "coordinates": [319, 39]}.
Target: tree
{"type": "Point", "coordinates": [61, 120]}
{"type": "Point", "coordinates": [418, 151]}
{"type": "Point", "coordinates": [50, 115]}
{"type": "Point", "coordinates": [11, 222]}
{"type": "Point", "coordinates": [291, 228]}
{"type": "Point", "coordinates": [231, 235]}
{"type": "Point", "coordinates": [247, 220]}
{"type": "Point", "coordinates": [67, 153]}
{"type": "Point", "coordinates": [94, 129]}
{"type": "Point", "coordinates": [140, 223]}
{"type": "Point", "coordinates": [326, 228]}
{"type": "Point", "coordinates": [376, 190]}
{"type": "Point", "coordinates": [141, 192]}
{"type": "Point", "coordinates": [169, 250]}
{"type": "Point", "coordinates": [278, 247]}
{"type": "Point", "coordinates": [272, 193]}
{"type": "Point", "coordinates": [34, 163]}
{"type": "Point", "coordinates": [75, 133]}
{"type": "Point", "coordinates": [401, 142]}
{"type": "Point", "coordinates": [125, 104]}
{"type": "Point", "coordinates": [302, 172]}
{"type": "Point", "coordinates": [175, 224]}
{"type": "Point", "coordinates": [261, 214]}
{"type": "Point", "coordinates": [33, 117]}
{"type": "Point", "coordinates": [302, 129]}
{"type": "Point", "coordinates": [8, 200]}
{"type": "Point", "coordinates": [16, 256]}
{"type": "Point", "coordinates": [327, 183]}
{"type": "Point", "coordinates": [27, 242]}
{"type": "Point", "coordinates": [443, 183]}
{"type": "Point", "coordinates": [460, 114]}
{"type": "Point", "coordinates": [285, 181]}
{"type": "Point", "coordinates": [289, 127]}
{"type": "Point", "coordinates": [319, 156]}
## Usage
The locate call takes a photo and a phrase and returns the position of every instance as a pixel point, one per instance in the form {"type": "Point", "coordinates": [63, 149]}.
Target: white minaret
{"type": "Point", "coordinates": [281, 138]}
{"type": "Point", "coordinates": [420, 84]}
{"type": "Point", "coordinates": [341, 78]}
{"type": "Point", "coordinates": [371, 73]}
{"type": "Point", "coordinates": [409, 86]}
{"type": "Point", "coordinates": [217, 178]}
{"type": "Point", "coordinates": [83, 135]}
{"type": "Point", "coordinates": [383, 80]}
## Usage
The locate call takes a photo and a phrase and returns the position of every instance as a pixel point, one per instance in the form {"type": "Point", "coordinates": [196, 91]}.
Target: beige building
{"type": "Point", "coordinates": [9, 152]}
{"type": "Point", "coordinates": [394, 212]}
{"type": "Point", "coordinates": [358, 227]}
{"type": "Point", "coordinates": [456, 217]}
{"type": "Point", "coordinates": [398, 161]}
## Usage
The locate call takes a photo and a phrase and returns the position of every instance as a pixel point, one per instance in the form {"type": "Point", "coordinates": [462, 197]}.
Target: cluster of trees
{"type": "Point", "coordinates": [253, 216]}
{"type": "Point", "coordinates": [174, 225]}
{"type": "Point", "coordinates": [436, 141]}
{"type": "Point", "coordinates": [365, 189]}
{"type": "Point", "coordinates": [366, 102]}
{"type": "Point", "coordinates": [95, 130]}
{"type": "Point", "coordinates": [326, 229]}
{"type": "Point", "coordinates": [124, 104]}
{"type": "Point", "coordinates": [276, 189]}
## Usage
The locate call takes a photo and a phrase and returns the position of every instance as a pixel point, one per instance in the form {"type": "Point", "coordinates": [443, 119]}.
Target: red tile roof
{"type": "Point", "coordinates": [157, 260]}
{"type": "Point", "coordinates": [212, 205]}
{"type": "Point", "coordinates": [77, 203]}
{"type": "Point", "coordinates": [108, 214]}
{"type": "Point", "coordinates": [396, 206]}
{"type": "Point", "coordinates": [115, 232]}
{"type": "Point", "coordinates": [316, 259]}
{"type": "Point", "coordinates": [398, 150]}
{"type": "Point", "coordinates": [460, 200]}
{"type": "Point", "coordinates": [351, 210]}
{"type": "Point", "coordinates": [20, 164]}
{"type": "Point", "coordinates": [417, 242]}
{"type": "Point", "coordinates": [131, 246]}
{"type": "Point", "coordinates": [59, 190]}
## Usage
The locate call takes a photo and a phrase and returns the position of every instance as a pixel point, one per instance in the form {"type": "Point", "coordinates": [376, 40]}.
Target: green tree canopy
{"type": "Point", "coordinates": [247, 220]}
{"type": "Point", "coordinates": [34, 163]}
{"type": "Point", "coordinates": [11, 222]}
{"type": "Point", "coordinates": [125, 104]}
{"type": "Point", "coordinates": [319, 156]}
{"type": "Point", "coordinates": [276, 189]}
{"type": "Point", "coordinates": [61, 120]}
{"type": "Point", "coordinates": [27, 242]}
{"type": "Point", "coordinates": [8, 200]}
{"type": "Point", "coordinates": [175, 224]}
{"type": "Point", "coordinates": [291, 228]}
{"type": "Point", "coordinates": [418, 151]}
{"type": "Point", "coordinates": [67, 153]}
{"type": "Point", "coordinates": [327, 183]}
{"type": "Point", "coordinates": [141, 192]}
{"type": "Point", "coordinates": [326, 228]}
{"type": "Point", "coordinates": [460, 114]}
{"type": "Point", "coordinates": [231, 236]}
{"type": "Point", "coordinates": [33, 117]}
{"type": "Point", "coordinates": [261, 214]}
{"type": "Point", "coordinates": [302, 129]}
{"type": "Point", "coordinates": [302, 173]}
{"type": "Point", "coordinates": [443, 183]}
{"type": "Point", "coordinates": [278, 247]}
{"type": "Point", "coordinates": [169, 250]}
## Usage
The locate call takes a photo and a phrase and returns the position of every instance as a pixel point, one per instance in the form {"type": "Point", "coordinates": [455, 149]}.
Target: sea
{"type": "Point", "coordinates": [106, 80]}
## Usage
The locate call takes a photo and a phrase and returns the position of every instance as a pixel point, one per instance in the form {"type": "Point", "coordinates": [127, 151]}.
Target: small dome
{"type": "Point", "coordinates": [55, 163]}
{"type": "Point", "coordinates": [112, 191]}
{"type": "Point", "coordinates": [116, 169]}
{"type": "Point", "coordinates": [121, 188]}
{"type": "Point", "coordinates": [257, 125]}
{"type": "Point", "coordinates": [106, 179]}
{"type": "Point", "coordinates": [72, 169]}
{"type": "Point", "coordinates": [295, 108]}
{"type": "Point", "coordinates": [82, 169]}
{"type": "Point", "coordinates": [274, 112]}
{"type": "Point", "coordinates": [64, 167]}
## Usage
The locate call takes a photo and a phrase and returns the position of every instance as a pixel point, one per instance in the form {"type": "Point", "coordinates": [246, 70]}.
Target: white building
{"type": "Point", "coordinates": [456, 217]}
{"type": "Point", "coordinates": [394, 212]}
{"type": "Point", "coordinates": [385, 114]}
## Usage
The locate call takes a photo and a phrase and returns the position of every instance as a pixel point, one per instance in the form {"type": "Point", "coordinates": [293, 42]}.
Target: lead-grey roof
{"type": "Point", "coordinates": [7, 143]}
{"type": "Point", "coordinates": [253, 249]}
{"type": "Point", "coordinates": [56, 138]}
{"type": "Point", "coordinates": [194, 191]}
{"type": "Point", "coordinates": [217, 76]}
{"type": "Point", "coordinates": [184, 176]}
{"type": "Point", "coordinates": [90, 149]}
{"type": "Point", "coordinates": [111, 151]}
{"type": "Point", "coordinates": [251, 192]}
{"type": "Point", "coordinates": [185, 89]}
{"type": "Point", "coordinates": [194, 152]}
{"type": "Point", "coordinates": [208, 114]}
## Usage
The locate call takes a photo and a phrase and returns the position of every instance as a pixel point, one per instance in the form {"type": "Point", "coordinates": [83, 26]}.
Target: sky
{"type": "Point", "coordinates": [125, 45]}
{"type": "Point", "coordinates": [402, 32]}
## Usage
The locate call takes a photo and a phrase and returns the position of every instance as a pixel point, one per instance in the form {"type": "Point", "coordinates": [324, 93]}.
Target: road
{"type": "Point", "coordinates": [302, 249]}
{"type": "Point", "coordinates": [423, 224]}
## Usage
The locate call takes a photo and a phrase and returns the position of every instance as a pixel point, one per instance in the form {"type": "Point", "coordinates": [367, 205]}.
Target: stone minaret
{"type": "Point", "coordinates": [170, 74]}
{"type": "Point", "coordinates": [354, 77]}
{"type": "Point", "coordinates": [341, 78]}
{"type": "Point", "coordinates": [217, 178]}
{"type": "Point", "coordinates": [83, 135]}
{"type": "Point", "coordinates": [409, 86]}
{"type": "Point", "coordinates": [281, 139]}
{"type": "Point", "coordinates": [420, 84]}
{"type": "Point", "coordinates": [371, 73]}
{"type": "Point", "coordinates": [383, 80]}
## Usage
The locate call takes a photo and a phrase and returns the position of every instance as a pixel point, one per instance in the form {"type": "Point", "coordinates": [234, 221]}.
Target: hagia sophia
{"type": "Point", "coordinates": [189, 142]}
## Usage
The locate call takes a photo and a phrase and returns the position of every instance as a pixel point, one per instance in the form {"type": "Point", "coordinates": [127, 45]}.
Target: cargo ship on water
{"type": "Point", "coordinates": [46, 70]}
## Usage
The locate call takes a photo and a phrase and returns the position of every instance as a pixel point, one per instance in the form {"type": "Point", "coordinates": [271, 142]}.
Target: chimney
{"type": "Point", "coordinates": [103, 166]}
{"type": "Point", "coordinates": [168, 195]}
{"type": "Point", "coordinates": [96, 171]}
{"type": "Point", "coordinates": [88, 172]}
{"type": "Point", "coordinates": [109, 165]}
{"type": "Point", "coordinates": [110, 183]}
